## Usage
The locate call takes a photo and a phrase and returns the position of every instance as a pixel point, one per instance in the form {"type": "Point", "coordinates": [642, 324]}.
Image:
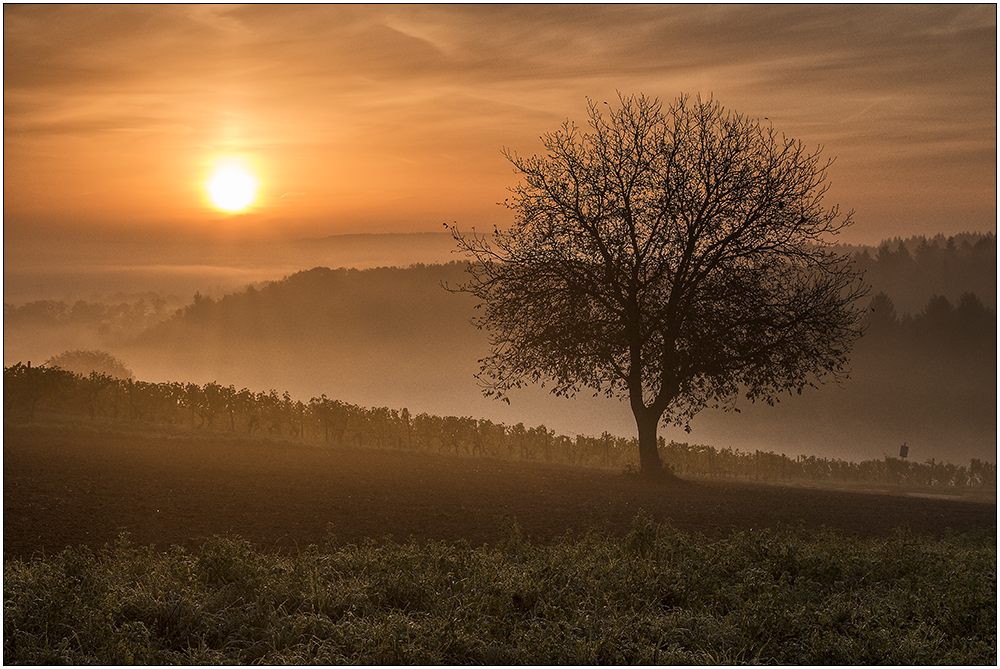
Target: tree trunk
{"type": "Point", "coordinates": [649, 457]}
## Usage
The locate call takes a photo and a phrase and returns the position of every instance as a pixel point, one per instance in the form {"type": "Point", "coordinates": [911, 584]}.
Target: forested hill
{"type": "Point", "coordinates": [913, 270]}
{"type": "Point", "coordinates": [910, 271]}
{"type": "Point", "coordinates": [386, 303]}
{"type": "Point", "coordinates": [924, 373]}
{"type": "Point", "coordinates": [944, 289]}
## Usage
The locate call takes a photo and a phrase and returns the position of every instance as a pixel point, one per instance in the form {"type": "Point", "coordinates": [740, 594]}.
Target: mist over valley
{"type": "Point", "coordinates": [387, 333]}
{"type": "Point", "coordinates": [112, 270]}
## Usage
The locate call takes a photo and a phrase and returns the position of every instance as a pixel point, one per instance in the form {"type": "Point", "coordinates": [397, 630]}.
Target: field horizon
{"type": "Point", "coordinates": [72, 481]}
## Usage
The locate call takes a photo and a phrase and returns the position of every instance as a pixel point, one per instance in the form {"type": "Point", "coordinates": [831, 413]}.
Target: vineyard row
{"type": "Point", "coordinates": [218, 408]}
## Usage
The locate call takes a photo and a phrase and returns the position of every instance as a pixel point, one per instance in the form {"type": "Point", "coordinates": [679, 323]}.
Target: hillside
{"type": "Point", "coordinates": [913, 270]}
{"type": "Point", "coordinates": [924, 374]}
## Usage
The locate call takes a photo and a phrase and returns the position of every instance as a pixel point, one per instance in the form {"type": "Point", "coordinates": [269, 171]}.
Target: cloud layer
{"type": "Point", "coordinates": [386, 117]}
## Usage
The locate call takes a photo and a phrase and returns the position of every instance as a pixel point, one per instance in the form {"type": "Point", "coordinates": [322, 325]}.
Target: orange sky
{"type": "Point", "coordinates": [392, 118]}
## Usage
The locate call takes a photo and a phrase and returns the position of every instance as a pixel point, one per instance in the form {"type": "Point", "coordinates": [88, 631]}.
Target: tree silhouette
{"type": "Point", "coordinates": [882, 317]}
{"type": "Point", "coordinates": [675, 257]}
{"type": "Point", "coordinates": [85, 362]}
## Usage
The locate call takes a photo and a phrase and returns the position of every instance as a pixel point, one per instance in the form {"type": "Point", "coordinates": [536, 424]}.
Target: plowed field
{"type": "Point", "coordinates": [72, 485]}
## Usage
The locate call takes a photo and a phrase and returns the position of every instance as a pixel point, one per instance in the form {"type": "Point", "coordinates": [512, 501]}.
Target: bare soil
{"type": "Point", "coordinates": [66, 486]}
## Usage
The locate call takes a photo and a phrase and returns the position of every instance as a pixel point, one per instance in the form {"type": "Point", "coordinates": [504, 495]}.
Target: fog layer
{"type": "Point", "coordinates": [395, 337]}
{"type": "Point", "coordinates": [102, 270]}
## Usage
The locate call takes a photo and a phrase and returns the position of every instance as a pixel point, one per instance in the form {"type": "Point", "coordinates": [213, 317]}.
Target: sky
{"type": "Point", "coordinates": [389, 118]}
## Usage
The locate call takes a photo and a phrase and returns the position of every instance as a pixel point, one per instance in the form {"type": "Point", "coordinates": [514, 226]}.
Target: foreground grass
{"type": "Point", "coordinates": [657, 596]}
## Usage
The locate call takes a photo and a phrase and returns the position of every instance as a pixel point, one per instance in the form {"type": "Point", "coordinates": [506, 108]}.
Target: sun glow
{"type": "Point", "coordinates": [232, 187]}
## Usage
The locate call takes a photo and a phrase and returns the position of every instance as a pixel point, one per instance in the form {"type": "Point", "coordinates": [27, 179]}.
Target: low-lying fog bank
{"type": "Point", "coordinates": [394, 337]}
{"type": "Point", "coordinates": [100, 270]}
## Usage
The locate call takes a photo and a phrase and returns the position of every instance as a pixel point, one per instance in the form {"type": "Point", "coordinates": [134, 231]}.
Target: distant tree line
{"type": "Point", "coordinates": [215, 408]}
{"type": "Point", "coordinates": [114, 322]}
{"type": "Point", "coordinates": [382, 302]}
{"type": "Point", "coordinates": [909, 271]}
{"type": "Point", "coordinates": [941, 326]}
{"type": "Point", "coordinates": [913, 269]}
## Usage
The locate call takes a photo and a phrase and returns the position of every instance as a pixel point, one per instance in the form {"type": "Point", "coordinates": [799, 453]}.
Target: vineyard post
{"type": "Point", "coordinates": [27, 379]}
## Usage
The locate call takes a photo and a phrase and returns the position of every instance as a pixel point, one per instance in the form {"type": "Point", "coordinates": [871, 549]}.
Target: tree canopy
{"type": "Point", "coordinates": [676, 257]}
{"type": "Point", "coordinates": [85, 362]}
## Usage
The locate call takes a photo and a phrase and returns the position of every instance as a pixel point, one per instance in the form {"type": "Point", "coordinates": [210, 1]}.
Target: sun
{"type": "Point", "coordinates": [231, 187]}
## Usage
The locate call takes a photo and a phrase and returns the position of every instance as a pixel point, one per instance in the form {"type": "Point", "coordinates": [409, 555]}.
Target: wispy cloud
{"type": "Point", "coordinates": [341, 100]}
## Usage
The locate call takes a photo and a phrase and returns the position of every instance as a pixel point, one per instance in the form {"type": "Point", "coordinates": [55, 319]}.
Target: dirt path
{"type": "Point", "coordinates": [71, 486]}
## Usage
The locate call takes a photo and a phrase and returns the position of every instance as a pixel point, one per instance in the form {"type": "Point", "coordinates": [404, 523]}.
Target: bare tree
{"type": "Point", "coordinates": [679, 258]}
